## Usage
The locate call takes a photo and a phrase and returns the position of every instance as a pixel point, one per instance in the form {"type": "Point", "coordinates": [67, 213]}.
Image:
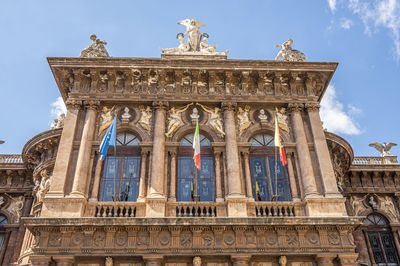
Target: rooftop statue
{"type": "Point", "coordinates": [383, 148]}
{"type": "Point", "coordinates": [196, 41]}
{"type": "Point", "coordinates": [96, 49]}
{"type": "Point", "coordinates": [288, 54]}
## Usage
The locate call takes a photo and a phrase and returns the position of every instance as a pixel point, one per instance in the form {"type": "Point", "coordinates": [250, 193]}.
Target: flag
{"type": "Point", "coordinates": [258, 192]}
{"type": "Point", "coordinates": [109, 139]}
{"type": "Point", "coordinates": [196, 146]}
{"type": "Point", "coordinates": [277, 141]}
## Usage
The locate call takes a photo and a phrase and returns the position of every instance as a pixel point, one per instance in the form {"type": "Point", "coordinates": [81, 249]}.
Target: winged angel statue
{"type": "Point", "coordinates": [383, 148]}
{"type": "Point", "coordinates": [196, 41]}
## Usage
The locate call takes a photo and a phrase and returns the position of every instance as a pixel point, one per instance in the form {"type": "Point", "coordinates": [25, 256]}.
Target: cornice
{"type": "Point", "coordinates": [291, 81]}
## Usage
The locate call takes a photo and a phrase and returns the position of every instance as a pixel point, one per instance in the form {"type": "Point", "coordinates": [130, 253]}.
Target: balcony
{"type": "Point", "coordinates": [194, 209]}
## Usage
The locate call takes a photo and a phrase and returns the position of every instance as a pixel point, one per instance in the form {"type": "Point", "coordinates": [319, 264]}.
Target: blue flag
{"type": "Point", "coordinates": [109, 139]}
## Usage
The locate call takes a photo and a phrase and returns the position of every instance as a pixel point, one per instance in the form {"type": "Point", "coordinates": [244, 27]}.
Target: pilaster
{"type": "Point", "coordinates": [306, 170]}
{"type": "Point", "coordinates": [64, 152]}
{"type": "Point", "coordinates": [321, 149]}
{"type": "Point", "coordinates": [82, 166]}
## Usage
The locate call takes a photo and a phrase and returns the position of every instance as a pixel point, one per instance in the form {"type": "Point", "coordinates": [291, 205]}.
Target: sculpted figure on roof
{"type": "Point", "coordinates": [96, 49]}
{"type": "Point", "coordinates": [196, 41]}
{"type": "Point", "coordinates": [289, 54]}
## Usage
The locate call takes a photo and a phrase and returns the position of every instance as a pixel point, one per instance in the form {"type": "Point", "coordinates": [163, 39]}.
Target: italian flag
{"type": "Point", "coordinates": [196, 146]}
{"type": "Point", "coordinates": [278, 143]}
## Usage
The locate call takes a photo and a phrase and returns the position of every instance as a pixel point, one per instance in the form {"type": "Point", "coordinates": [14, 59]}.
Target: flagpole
{"type": "Point", "coordinates": [276, 163]}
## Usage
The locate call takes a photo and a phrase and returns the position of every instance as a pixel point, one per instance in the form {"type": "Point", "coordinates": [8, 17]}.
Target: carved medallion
{"type": "Point", "coordinates": [312, 237]}
{"type": "Point", "coordinates": [333, 238]}
{"type": "Point", "coordinates": [208, 238]}
{"type": "Point", "coordinates": [55, 240]}
{"type": "Point", "coordinates": [271, 238]}
{"type": "Point", "coordinates": [77, 239]}
{"type": "Point", "coordinates": [143, 238]}
{"type": "Point", "coordinates": [186, 239]}
{"type": "Point", "coordinates": [165, 237]}
{"type": "Point", "coordinates": [250, 238]}
{"type": "Point", "coordinates": [98, 238]}
{"type": "Point", "coordinates": [121, 238]}
{"type": "Point", "coordinates": [229, 238]}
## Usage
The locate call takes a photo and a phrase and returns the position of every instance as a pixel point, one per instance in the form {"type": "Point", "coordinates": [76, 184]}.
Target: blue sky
{"type": "Point", "coordinates": [361, 105]}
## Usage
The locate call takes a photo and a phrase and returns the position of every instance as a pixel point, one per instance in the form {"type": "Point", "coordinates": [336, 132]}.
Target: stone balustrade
{"type": "Point", "coordinates": [115, 209]}
{"type": "Point", "coordinates": [366, 160]}
{"type": "Point", "coordinates": [11, 159]}
{"type": "Point", "coordinates": [375, 160]}
{"type": "Point", "coordinates": [277, 209]}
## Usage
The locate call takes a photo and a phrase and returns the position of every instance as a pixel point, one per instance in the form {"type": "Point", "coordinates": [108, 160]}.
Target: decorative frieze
{"type": "Point", "coordinates": [202, 238]}
{"type": "Point", "coordinates": [155, 79]}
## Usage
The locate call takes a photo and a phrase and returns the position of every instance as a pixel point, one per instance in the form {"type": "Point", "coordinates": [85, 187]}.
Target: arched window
{"type": "Point", "coordinates": [381, 239]}
{"type": "Point", "coordinates": [269, 176]}
{"type": "Point", "coordinates": [121, 171]}
{"type": "Point", "coordinates": [3, 221]}
{"type": "Point", "coordinates": [192, 184]}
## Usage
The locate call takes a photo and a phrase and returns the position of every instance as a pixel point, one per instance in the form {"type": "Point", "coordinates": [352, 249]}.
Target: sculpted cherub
{"type": "Point", "coordinates": [145, 118]}
{"type": "Point", "coordinates": [215, 120]}
{"type": "Point", "coordinates": [106, 118]}
{"type": "Point", "coordinates": [243, 118]}
{"type": "Point", "coordinates": [175, 119]}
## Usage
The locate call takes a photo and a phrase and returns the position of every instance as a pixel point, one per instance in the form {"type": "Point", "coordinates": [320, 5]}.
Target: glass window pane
{"type": "Point", "coordinates": [259, 177]}
{"type": "Point", "coordinates": [262, 140]}
{"type": "Point", "coordinates": [279, 181]}
{"type": "Point", "coordinates": [188, 140]}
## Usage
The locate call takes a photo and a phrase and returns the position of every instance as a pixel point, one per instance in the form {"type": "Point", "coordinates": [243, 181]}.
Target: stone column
{"type": "Point", "coordinates": [64, 260]}
{"type": "Point", "coordinates": [240, 260]}
{"type": "Point", "coordinates": [64, 150]}
{"type": "Point", "coordinates": [37, 260]}
{"type": "Point", "coordinates": [321, 149]}
{"type": "Point", "coordinates": [307, 173]}
{"type": "Point", "coordinates": [236, 202]}
{"type": "Point", "coordinates": [325, 259]}
{"type": "Point", "coordinates": [142, 181]}
{"type": "Point", "coordinates": [292, 179]}
{"type": "Point", "coordinates": [348, 259]}
{"type": "Point", "coordinates": [155, 200]}
{"type": "Point", "coordinates": [249, 186]}
{"type": "Point", "coordinates": [153, 260]}
{"type": "Point", "coordinates": [172, 188]}
{"type": "Point", "coordinates": [218, 180]}
{"type": "Point", "coordinates": [232, 153]}
{"type": "Point", "coordinates": [157, 165]}
{"type": "Point", "coordinates": [82, 166]}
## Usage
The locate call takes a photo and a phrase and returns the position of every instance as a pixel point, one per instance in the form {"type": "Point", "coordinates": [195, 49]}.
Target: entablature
{"type": "Point", "coordinates": [149, 79]}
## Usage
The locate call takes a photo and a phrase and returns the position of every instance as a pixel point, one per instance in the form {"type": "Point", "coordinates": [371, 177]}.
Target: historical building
{"type": "Point", "coordinates": [147, 204]}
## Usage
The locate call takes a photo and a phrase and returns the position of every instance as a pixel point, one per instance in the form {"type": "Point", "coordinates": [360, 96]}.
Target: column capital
{"type": "Point", "coordinates": [91, 104]}
{"type": "Point", "coordinates": [160, 104]}
{"type": "Point", "coordinates": [295, 107]}
{"type": "Point", "coordinates": [73, 104]}
{"type": "Point", "coordinates": [312, 107]}
{"type": "Point", "coordinates": [228, 106]}
{"type": "Point", "coordinates": [325, 259]}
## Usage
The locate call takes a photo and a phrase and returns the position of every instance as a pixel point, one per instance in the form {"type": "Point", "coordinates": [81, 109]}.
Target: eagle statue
{"type": "Point", "coordinates": [383, 148]}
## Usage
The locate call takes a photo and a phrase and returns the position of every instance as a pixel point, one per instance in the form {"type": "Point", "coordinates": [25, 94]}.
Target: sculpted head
{"type": "Point", "coordinates": [196, 261]}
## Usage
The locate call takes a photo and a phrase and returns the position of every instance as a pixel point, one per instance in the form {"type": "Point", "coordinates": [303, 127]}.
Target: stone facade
{"type": "Point", "coordinates": [60, 172]}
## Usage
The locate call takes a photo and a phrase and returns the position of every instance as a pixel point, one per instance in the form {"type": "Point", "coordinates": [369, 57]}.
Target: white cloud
{"type": "Point", "coordinates": [332, 5]}
{"type": "Point", "coordinates": [334, 116]}
{"type": "Point", "coordinates": [380, 13]}
{"type": "Point", "coordinates": [346, 23]}
{"type": "Point", "coordinates": [58, 107]}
